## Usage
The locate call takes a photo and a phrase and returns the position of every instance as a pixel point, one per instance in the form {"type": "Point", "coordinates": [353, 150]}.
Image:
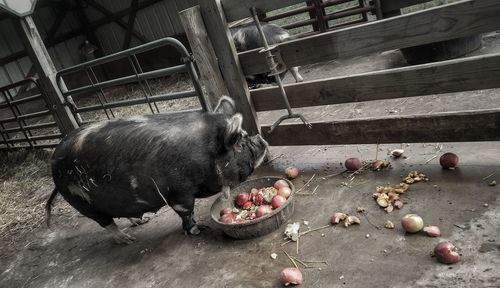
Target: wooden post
{"type": "Point", "coordinates": [47, 75]}
{"type": "Point", "coordinates": [218, 31]}
{"type": "Point", "coordinates": [204, 54]}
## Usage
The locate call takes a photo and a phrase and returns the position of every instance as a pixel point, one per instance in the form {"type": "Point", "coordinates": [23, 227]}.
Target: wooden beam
{"type": "Point", "coordinates": [134, 5]}
{"type": "Point", "coordinates": [47, 75]}
{"type": "Point", "coordinates": [239, 9]}
{"type": "Point", "coordinates": [204, 54]}
{"type": "Point", "coordinates": [441, 127]}
{"type": "Point", "coordinates": [218, 31]}
{"type": "Point", "coordinates": [464, 74]}
{"type": "Point", "coordinates": [446, 22]}
{"type": "Point", "coordinates": [115, 17]}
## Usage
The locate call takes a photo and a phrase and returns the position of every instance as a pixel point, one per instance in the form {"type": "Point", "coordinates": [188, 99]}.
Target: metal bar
{"type": "Point", "coordinates": [27, 116]}
{"type": "Point", "coordinates": [378, 10]}
{"type": "Point", "coordinates": [329, 3]}
{"type": "Point", "coordinates": [101, 91]}
{"type": "Point", "coordinates": [162, 97]}
{"type": "Point", "coordinates": [16, 112]}
{"type": "Point", "coordinates": [23, 100]}
{"type": "Point", "coordinates": [289, 13]}
{"type": "Point", "coordinates": [300, 23]}
{"type": "Point", "coordinates": [31, 127]}
{"type": "Point", "coordinates": [126, 80]}
{"type": "Point", "coordinates": [38, 146]}
{"type": "Point", "coordinates": [321, 12]}
{"type": "Point", "coordinates": [349, 12]}
{"type": "Point", "coordinates": [39, 137]}
{"type": "Point", "coordinates": [133, 62]}
{"type": "Point", "coordinates": [365, 15]}
{"type": "Point", "coordinates": [135, 50]}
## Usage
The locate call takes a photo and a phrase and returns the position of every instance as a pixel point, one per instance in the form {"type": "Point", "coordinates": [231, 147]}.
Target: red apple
{"type": "Point", "coordinates": [277, 201]}
{"type": "Point", "coordinates": [241, 198]}
{"type": "Point", "coordinates": [353, 164]}
{"type": "Point", "coordinates": [263, 210]}
{"type": "Point", "coordinates": [285, 192]}
{"type": "Point", "coordinates": [280, 184]}
{"type": "Point", "coordinates": [292, 172]}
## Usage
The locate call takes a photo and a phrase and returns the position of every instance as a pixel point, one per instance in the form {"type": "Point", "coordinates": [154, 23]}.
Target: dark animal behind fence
{"type": "Point", "coordinates": [247, 37]}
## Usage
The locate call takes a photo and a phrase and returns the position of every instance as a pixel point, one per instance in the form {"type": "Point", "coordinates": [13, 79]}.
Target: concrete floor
{"type": "Point", "coordinates": [78, 253]}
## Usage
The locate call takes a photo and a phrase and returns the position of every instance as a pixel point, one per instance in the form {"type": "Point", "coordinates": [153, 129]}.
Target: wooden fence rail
{"type": "Point", "coordinates": [472, 73]}
{"type": "Point", "coordinates": [464, 126]}
{"type": "Point", "coordinates": [445, 22]}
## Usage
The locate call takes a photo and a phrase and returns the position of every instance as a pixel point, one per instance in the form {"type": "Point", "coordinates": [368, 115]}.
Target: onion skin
{"type": "Point", "coordinates": [446, 253]}
{"type": "Point", "coordinates": [337, 217]}
{"type": "Point", "coordinates": [353, 164]}
{"type": "Point", "coordinates": [412, 223]}
{"type": "Point", "coordinates": [280, 184]}
{"type": "Point", "coordinates": [448, 160]}
{"type": "Point", "coordinates": [432, 231]}
{"type": "Point", "coordinates": [291, 172]}
{"type": "Point", "coordinates": [291, 276]}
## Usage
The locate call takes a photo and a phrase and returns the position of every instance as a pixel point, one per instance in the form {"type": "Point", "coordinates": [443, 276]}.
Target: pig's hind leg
{"type": "Point", "coordinates": [106, 221]}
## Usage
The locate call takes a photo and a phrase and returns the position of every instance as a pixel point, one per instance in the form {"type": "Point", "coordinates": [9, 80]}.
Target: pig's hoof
{"type": "Point", "coordinates": [138, 221]}
{"type": "Point", "coordinates": [123, 238]}
{"type": "Point", "coordinates": [194, 230]}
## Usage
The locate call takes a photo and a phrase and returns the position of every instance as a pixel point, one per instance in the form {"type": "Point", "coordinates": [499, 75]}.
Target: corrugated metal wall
{"type": "Point", "coordinates": [64, 54]}
{"type": "Point", "coordinates": [154, 22]}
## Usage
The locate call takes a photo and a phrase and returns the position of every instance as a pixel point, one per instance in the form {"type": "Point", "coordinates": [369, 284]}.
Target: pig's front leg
{"type": "Point", "coordinates": [184, 208]}
{"type": "Point", "coordinates": [225, 193]}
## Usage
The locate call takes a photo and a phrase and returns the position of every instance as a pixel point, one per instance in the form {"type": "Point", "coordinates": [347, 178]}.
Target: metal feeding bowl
{"type": "Point", "coordinates": [259, 226]}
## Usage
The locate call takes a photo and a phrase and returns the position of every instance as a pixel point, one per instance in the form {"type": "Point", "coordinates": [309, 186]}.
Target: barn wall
{"type": "Point", "coordinates": [154, 22]}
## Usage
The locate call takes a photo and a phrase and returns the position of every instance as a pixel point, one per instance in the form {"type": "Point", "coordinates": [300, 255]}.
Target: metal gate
{"type": "Point", "coordinates": [25, 120]}
{"type": "Point", "coordinates": [96, 87]}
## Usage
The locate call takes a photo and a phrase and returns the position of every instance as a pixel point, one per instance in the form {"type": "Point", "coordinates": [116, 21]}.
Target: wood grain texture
{"type": "Point", "coordinates": [239, 9]}
{"type": "Point", "coordinates": [483, 125]}
{"type": "Point", "coordinates": [46, 71]}
{"type": "Point", "coordinates": [204, 54]}
{"type": "Point", "coordinates": [465, 74]}
{"type": "Point", "coordinates": [216, 25]}
{"type": "Point", "coordinates": [437, 24]}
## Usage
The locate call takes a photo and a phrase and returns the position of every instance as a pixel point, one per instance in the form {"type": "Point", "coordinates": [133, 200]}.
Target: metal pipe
{"type": "Point", "coordinates": [126, 80]}
{"type": "Point", "coordinates": [274, 71]}
{"type": "Point", "coordinates": [163, 97]}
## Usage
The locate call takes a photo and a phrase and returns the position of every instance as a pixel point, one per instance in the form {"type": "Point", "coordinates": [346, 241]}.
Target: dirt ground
{"type": "Point", "coordinates": [78, 253]}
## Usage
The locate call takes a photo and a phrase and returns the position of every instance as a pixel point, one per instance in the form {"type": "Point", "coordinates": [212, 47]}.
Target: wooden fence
{"type": "Point", "coordinates": [463, 18]}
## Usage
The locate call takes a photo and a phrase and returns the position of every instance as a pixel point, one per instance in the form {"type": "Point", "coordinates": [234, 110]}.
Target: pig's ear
{"type": "Point", "coordinates": [234, 132]}
{"type": "Point", "coordinates": [225, 106]}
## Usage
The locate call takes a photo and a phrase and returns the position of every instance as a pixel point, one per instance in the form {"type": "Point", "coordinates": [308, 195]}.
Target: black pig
{"type": "Point", "coordinates": [247, 37]}
{"type": "Point", "coordinates": [126, 167]}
